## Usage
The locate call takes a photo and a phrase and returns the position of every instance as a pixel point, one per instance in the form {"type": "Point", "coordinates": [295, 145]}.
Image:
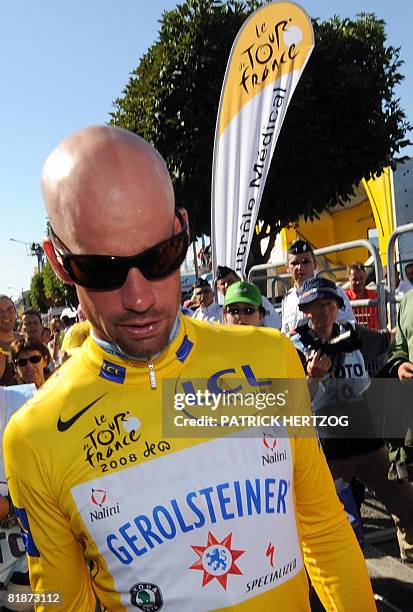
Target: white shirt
{"type": "Point", "coordinates": [291, 315]}
{"type": "Point", "coordinates": [404, 286]}
{"type": "Point", "coordinates": [272, 318]}
{"type": "Point", "coordinates": [211, 313]}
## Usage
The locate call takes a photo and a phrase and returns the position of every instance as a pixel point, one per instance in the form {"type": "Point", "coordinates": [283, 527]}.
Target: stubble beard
{"type": "Point", "coordinates": [145, 349]}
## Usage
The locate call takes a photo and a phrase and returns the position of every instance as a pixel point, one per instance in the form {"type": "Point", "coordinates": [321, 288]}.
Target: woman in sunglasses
{"type": "Point", "coordinates": [243, 305]}
{"type": "Point", "coordinates": [30, 358]}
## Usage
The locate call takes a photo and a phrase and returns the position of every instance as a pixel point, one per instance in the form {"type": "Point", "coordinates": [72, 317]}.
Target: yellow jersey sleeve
{"type": "Point", "coordinates": [56, 558]}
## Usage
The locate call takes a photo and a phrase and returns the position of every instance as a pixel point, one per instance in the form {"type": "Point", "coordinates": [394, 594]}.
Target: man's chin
{"type": "Point", "coordinates": [145, 348]}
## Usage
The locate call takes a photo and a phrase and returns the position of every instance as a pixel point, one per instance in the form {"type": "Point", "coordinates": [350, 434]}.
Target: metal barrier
{"type": "Point", "coordinates": [284, 278]}
{"type": "Point", "coordinates": [391, 271]}
{"type": "Point", "coordinates": [344, 246]}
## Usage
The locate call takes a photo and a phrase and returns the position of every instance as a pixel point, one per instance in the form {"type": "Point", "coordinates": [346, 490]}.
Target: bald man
{"type": "Point", "coordinates": [108, 503]}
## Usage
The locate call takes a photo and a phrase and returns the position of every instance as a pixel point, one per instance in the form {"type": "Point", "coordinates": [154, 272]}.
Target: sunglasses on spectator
{"type": "Point", "coordinates": [109, 272]}
{"type": "Point", "coordinates": [235, 310]}
{"type": "Point", "coordinates": [22, 362]}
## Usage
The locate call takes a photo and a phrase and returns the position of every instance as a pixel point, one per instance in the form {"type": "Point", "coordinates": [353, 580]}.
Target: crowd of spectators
{"type": "Point", "coordinates": [30, 351]}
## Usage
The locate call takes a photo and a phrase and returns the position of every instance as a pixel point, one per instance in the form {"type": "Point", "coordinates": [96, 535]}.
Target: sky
{"type": "Point", "coordinates": [63, 64]}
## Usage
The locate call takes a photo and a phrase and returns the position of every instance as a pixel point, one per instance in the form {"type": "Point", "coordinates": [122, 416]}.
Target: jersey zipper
{"type": "Point", "coordinates": [152, 375]}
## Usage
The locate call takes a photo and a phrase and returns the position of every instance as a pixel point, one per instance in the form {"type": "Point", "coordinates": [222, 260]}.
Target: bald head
{"type": "Point", "coordinates": [100, 178]}
{"type": "Point", "coordinates": [108, 192]}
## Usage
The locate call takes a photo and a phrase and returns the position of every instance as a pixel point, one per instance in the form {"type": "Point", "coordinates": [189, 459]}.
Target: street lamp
{"type": "Point", "coordinates": [33, 249]}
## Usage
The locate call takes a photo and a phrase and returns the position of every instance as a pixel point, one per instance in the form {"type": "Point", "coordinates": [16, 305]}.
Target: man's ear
{"type": "Point", "coordinates": [56, 265]}
{"type": "Point", "coordinates": [184, 213]}
{"type": "Point", "coordinates": [178, 227]}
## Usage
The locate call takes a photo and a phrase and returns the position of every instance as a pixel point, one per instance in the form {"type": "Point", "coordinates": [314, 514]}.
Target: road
{"type": "Point", "coordinates": [392, 580]}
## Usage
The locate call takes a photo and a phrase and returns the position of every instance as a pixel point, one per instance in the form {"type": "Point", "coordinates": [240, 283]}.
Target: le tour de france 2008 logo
{"type": "Point", "coordinates": [274, 46]}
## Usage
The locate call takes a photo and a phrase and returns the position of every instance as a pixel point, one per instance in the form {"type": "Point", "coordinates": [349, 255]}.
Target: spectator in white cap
{"type": "Point", "coordinates": [68, 316]}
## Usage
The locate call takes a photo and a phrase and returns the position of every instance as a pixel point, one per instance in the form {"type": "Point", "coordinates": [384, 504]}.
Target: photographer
{"type": "Point", "coordinates": [332, 354]}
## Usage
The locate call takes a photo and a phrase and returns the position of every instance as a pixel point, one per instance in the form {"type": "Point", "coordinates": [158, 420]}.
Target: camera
{"type": "Point", "coordinates": [346, 342]}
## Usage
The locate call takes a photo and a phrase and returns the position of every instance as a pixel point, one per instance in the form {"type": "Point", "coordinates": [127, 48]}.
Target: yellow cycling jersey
{"type": "Point", "coordinates": [111, 506]}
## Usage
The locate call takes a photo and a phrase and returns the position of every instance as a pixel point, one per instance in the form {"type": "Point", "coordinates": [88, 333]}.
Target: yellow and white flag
{"type": "Point", "coordinates": [264, 67]}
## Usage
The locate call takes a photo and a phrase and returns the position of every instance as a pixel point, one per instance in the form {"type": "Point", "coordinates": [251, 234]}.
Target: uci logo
{"type": "Point", "coordinates": [219, 383]}
{"type": "Point", "coordinates": [112, 371]}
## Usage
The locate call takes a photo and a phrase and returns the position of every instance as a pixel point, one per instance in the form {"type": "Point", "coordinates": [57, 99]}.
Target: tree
{"type": "Point", "coordinates": [37, 298]}
{"type": "Point", "coordinates": [56, 290]}
{"type": "Point", "coordinates": [344, 122]}
{"type": "Point", "coordinates": [46, 290]}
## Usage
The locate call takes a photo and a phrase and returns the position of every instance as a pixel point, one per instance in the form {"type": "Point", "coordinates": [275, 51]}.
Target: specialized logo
{"type": "Point", "coordinates": [65, 425]}
{"type": "Point", "coordinates": [217, 560]}
{"type": "Point", "coordinates": [270, 553]}
{"type": "Point", "coordinates": [98, 497]}
{"type": "Point", "coordinates": [146, 596]}
{"type": "Point", "coordinates": [112, 371]}
{"type": "Point", "coordinates": [277, 575]}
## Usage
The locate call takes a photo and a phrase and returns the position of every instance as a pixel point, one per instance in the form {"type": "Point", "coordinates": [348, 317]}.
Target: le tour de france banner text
{"type": "Point", "coordinates": [264, 67]}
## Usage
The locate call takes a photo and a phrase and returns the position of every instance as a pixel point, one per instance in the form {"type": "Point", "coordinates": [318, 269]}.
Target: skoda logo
{"type": "Point", "coordinates": [146, 596]}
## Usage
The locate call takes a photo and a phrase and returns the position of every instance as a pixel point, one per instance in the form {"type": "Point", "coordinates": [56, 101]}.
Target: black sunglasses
{"type": "Point", "coordinates": [22, 362]}
{"type": "Point", "coordinates": [107, 272]}
{"type": "Point", "coordinates": [248, 310]}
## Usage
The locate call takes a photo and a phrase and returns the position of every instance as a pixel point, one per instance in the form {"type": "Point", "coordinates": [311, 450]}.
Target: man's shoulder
{"type": "Point", "coordinates": [290, 296]}
{"type": "Point", "coordinates": [214, 308]}
{"type": "Point", "coordinates": [197, 313]}
{"type": "Point", "coordinates": [5, 344]}
{"type": "Point", "coordinates": [341, 291]}
{"type": "Point", "coordinates": [407, 299]}
{"type": "Point", "coordinates": [233, 338]}
{"type": "Point", "coordinates": [267, 303]}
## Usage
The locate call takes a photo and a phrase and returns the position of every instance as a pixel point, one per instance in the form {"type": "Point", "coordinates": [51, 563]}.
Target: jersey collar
{"type": "Point", "coordinates": [128, 371]}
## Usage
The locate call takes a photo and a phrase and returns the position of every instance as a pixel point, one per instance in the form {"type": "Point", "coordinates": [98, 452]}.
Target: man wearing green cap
{"type": "Point", "coordinates": [243, 305]}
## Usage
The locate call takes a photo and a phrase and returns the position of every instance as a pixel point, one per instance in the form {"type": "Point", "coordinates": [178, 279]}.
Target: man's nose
{"type": "Point", "coordinates": [137, 292]}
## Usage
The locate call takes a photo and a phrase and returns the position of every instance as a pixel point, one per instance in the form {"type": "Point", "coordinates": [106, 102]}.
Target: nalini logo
{"type": "Point", "coordinates": [269, 441]}
{"type": "Point", "coordinates": [99, 498]}
{"type": "Point", "coordinates": [112, 371]}
{"type": "Point", "coordinates": [273, 456]}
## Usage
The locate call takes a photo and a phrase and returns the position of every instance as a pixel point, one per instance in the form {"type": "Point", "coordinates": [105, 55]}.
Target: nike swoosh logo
{"type": "Point", "coordinates": [65, 425]}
